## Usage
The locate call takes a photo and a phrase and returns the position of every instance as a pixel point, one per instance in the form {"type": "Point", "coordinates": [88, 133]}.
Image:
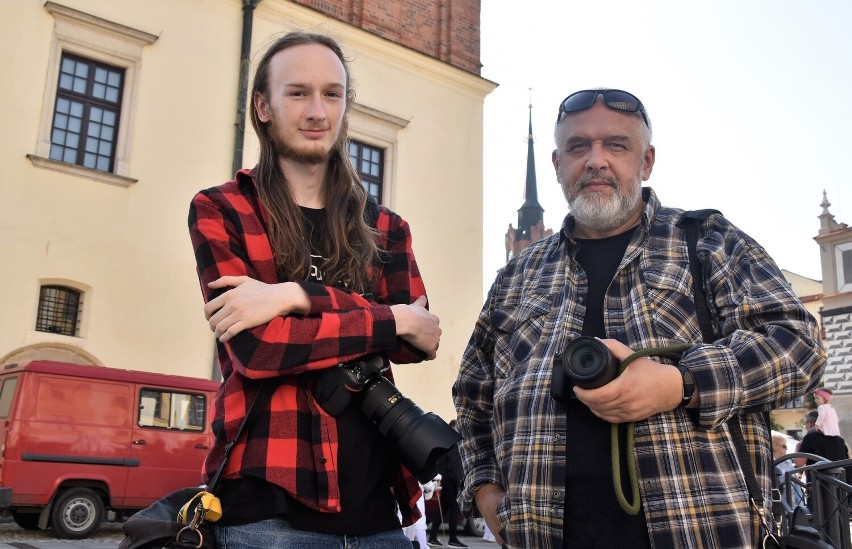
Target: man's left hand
{"type": "Point", "coordinates": [644, 388]}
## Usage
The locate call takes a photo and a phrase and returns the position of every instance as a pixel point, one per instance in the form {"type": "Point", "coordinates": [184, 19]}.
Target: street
{"type": "Point", "coordinates": [109, 535]}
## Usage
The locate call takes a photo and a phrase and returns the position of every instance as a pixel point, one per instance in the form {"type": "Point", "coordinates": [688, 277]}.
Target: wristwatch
{"type": "Point", "coordinates": [688, 385]}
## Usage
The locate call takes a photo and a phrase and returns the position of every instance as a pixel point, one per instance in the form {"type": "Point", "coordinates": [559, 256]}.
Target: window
{"type": "Point", "coordinates": [169, 410]}
{"type": "Point", "coordinates": [843, 260]}
{"type": "Point", "coordinates": [368, 162]}
{"type": "Point", "coordinates": [90, 93]}
{"type": "Point", "coordinates": [6, 395]}
{"type": "Point", "coordinates": [88, 103]}
{"type": "Point", "coordinates": [59, 310]}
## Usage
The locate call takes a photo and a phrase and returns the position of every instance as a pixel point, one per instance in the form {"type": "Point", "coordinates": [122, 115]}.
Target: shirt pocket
{"type": "Point", "coordinates": [671, 301]}
{"type": "Point", "coordinates": [518, 328]}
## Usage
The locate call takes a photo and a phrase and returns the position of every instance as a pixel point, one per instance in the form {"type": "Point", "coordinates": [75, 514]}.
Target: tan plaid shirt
{"type": "Point", "coordinates": [693, 491]}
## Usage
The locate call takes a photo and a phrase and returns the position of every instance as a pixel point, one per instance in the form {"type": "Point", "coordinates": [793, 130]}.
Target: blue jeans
{"type": "Point", "coordinates": [277, 533]}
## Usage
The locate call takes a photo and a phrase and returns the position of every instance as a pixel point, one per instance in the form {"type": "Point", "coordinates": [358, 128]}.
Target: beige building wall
{"type": "Point", "coordinates": [122, 239]}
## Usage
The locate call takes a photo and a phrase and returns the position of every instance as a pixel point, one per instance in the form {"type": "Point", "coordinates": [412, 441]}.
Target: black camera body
{"type": "Point", "coordinates": [585, 363]}
{"type": "Point", "coordinates": [420, 438]}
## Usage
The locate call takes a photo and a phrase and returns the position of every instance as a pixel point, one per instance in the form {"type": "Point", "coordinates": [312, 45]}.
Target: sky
{"type": "Point", "coordinates": [750, 102]}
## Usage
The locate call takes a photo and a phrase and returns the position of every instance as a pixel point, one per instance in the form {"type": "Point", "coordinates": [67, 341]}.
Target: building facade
{"type": "Point", "coordinates": [118, 111]}
{"type": "Point", "coordinates": [835, 245]}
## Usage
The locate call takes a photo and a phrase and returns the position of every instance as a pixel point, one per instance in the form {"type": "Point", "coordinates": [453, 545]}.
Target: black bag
{"type": "Point", "coordinates": [156, 526]}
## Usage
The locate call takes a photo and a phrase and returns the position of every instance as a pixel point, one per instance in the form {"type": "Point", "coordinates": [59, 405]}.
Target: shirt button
{"type": "Point", "coordinates": [557, 494]}
{"type": "Point", "coordinates": [322, 460]}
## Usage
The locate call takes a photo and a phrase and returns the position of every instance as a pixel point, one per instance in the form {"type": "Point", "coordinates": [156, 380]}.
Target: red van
{"type": "Point", "coordinates": [78, 440]}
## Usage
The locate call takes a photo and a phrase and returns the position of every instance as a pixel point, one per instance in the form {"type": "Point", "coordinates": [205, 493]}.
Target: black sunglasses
{"type": "Point", "coordinates": [618, 100]}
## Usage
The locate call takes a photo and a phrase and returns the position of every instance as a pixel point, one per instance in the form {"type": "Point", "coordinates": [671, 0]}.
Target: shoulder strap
{"type": "Point", "coordinates": [691, 223]}
{"type": "Point", "coordinates": [264, 393]}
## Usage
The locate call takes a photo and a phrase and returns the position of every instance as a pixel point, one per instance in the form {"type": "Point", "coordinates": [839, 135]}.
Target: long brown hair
{"type": "Point", "coordinates": [349, 246]}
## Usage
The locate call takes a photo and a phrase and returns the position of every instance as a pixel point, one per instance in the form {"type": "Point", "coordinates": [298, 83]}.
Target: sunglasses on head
{"type": "Point", "coordinates": [618, 100]}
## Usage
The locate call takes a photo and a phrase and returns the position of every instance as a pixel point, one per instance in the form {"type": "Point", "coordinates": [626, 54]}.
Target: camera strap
{"type": "Point", "coordinates": [672, 352]}
{"type": "Point", "coordinates": [691, 223]}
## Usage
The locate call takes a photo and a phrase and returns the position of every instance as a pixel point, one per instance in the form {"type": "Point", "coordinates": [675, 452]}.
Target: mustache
{"type": "Point", "coordinates": [596, 178]}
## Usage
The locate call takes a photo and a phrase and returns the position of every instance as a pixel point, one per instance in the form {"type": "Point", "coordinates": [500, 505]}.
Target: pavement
{"type": "Point", "coordinates": [109, 535]}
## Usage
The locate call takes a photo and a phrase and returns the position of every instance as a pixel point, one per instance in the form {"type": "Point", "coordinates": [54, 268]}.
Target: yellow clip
{"type": "Point", "coordinates": [211, 504]}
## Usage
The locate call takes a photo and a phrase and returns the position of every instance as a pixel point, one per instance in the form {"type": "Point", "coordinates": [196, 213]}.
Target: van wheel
{"type": "Point", "coordinates": [76, 513]}
{"type": "Point", "coordinates": [475, 527]}
{"type": "Point", "coordinates": [27, 521]}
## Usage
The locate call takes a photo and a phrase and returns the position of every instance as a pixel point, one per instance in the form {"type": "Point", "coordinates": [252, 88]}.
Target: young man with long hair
{"type": "Point", "coordinates": [300, 272]}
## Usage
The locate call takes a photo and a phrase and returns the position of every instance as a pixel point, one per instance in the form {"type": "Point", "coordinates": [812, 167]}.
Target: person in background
{"type": "Point", "coordinates": [830, 447]}
{"type": "Point", "coordinates": [302, 272]}
{"type": "Point", "coordinates": [827, 420]}
{"type": "Point", "coordinates": [779, 450]}
{"type": "Point", "coordinates": [452, 474]}
{"type": "Point", "coordinates": [540, 470]}
{"type": "Point", "coordinates": [417, 532]}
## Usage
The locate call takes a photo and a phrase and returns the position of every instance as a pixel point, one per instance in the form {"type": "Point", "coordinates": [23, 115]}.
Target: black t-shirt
{"type": "Point", "coordinates": [366, 463]}
{"type": "Point", "coordinates": [593, 517]}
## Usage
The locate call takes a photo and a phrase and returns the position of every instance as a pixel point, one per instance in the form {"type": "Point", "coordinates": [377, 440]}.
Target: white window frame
{"type": "Point", "coordinates": [381, 130]}
{"type": "Point", "coordinates": [101, 40]}
{"type": "Point", "coordinates": [842, 284]}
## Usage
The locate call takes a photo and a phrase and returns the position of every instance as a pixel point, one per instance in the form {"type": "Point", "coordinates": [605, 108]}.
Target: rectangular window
{"type": "Point", "coordinates": [169, 410]}
{"type": "Point", "coordinates": [369, 163]}
{"type": "Point", "coordinates": [59, 310]}
{"type": "Point", "coordinates": [7, 393]}
{"type": "Point", "coordinates": [843, 266]}
{"type": "Point", "coordinates": [85, 119]}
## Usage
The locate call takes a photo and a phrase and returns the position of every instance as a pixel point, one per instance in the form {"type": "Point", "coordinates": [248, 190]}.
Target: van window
{"type": "Point", "coordinates": [6, 394]}
{"type": "Point", "coordinates": [170, 410]}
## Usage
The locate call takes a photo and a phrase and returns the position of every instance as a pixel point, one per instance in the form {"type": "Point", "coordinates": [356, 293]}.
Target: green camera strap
{"type": "Point", "coordinates": [672, 352]}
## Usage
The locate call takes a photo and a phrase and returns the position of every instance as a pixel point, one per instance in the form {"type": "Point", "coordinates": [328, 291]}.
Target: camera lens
{"type": "Point", "coordinates": [588, 363]}
{"type": "Point", "coordinates": [420, 438]}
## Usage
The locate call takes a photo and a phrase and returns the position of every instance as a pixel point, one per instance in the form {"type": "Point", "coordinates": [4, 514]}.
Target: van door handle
{"type": "Point", "coordinates": [140, 442]}
{"type": "Point", "coordinates": [200, 446]}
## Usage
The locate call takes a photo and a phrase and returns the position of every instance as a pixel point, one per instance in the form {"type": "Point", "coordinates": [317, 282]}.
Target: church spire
{"type": "Point", "coordinates": [531, 213]}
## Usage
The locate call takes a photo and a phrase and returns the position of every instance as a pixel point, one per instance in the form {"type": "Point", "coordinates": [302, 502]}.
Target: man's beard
{"type": "Point", "coordinates": [599, 212]}
{"type": "Point", "coordinates": [313, 153]}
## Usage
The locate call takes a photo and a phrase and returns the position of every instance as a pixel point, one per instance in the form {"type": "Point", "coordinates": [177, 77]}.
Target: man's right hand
{"type": "Point", "coordinates": [416, 325]}
{"type": "Point", "coordinates": [487, 498]}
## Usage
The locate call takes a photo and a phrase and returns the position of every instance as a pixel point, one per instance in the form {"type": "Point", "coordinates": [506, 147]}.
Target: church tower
{"type": "Point", "coordinates": [530, 214]}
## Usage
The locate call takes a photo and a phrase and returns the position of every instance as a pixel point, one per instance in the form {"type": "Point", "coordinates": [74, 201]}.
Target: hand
{"type": "Point", "coordinates": [416, 325]}
{"type": "Point", "coordinates": [644, 388]}
{"type": "Point", "coordinates": [250, 303]}
{"type": "Point", "coordinates": [487, 498]}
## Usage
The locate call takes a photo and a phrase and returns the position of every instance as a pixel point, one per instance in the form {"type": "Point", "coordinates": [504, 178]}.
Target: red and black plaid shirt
{"type": "Point", "coordinates": [293, 442]}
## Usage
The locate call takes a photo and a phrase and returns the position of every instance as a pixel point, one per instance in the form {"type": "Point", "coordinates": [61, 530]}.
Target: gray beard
{"type": "Point", "coordinates": [604, 216]}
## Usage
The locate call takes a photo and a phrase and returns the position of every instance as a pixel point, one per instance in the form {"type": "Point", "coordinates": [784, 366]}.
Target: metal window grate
{"type": "Point", "coordinates": [59, 310]}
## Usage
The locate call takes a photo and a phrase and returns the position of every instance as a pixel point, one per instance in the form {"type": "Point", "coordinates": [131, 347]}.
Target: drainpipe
{"type": "Point", "coordinates": [242, 90]}
{"type": "Point", "coordinates": [239, 123]}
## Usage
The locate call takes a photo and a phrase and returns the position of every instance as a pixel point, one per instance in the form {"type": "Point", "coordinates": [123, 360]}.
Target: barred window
{"type": "Point", "coordinates": [85, 119]}
{"type": "Point", "coordinates": [59, 310]}
{"type": "Point", "coordinates": [369, 163]}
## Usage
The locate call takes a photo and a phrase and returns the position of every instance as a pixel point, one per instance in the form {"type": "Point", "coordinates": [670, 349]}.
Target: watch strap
{"type": "Point", "coordinates": [688, 385]}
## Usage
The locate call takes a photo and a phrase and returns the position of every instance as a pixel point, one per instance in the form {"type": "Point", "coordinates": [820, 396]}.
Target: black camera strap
{"type": "Point", "coordinates": [691, 223]}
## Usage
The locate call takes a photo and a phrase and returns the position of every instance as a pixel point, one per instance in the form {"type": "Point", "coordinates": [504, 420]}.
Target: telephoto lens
{"type": "Point", "coordinates": [588, 363]}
